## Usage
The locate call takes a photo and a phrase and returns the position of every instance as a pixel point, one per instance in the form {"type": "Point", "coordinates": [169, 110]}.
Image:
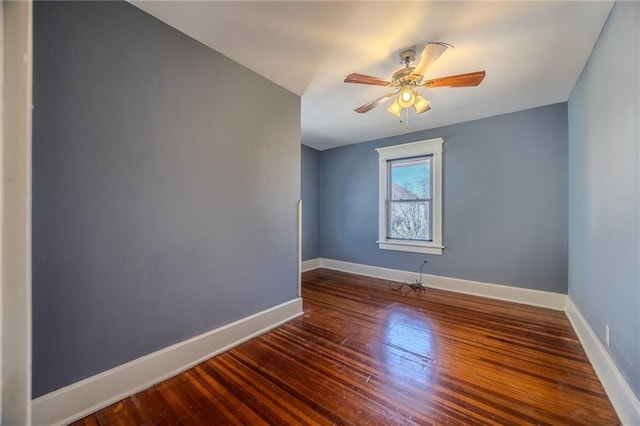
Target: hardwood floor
{"type": "Point", "coordinates": [364, 354]}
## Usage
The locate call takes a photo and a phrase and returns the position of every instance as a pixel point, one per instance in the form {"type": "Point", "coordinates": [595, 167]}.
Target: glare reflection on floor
{"type": "Point", "coordinates": [409, 349]}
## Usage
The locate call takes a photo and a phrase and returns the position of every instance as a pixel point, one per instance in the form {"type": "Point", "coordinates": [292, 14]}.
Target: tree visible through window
{"type": "Point", "coordinates": [409, 215]}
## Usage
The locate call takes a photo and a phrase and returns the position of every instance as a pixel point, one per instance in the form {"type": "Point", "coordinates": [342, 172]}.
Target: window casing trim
{"type": "Point", "coordinates": [408, 150]}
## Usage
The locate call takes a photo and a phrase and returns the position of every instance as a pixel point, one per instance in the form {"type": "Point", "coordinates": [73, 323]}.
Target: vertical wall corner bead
{"type": "Point", "coordinates": [299, 246]}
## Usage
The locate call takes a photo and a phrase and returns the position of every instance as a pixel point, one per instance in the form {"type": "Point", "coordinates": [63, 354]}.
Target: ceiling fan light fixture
{"type": "Point", "coordinates": [407, 97]}
{"type": "Point", "coordinates": [395, 108]}
{"type": "Point", "coordinates": [421, 104]}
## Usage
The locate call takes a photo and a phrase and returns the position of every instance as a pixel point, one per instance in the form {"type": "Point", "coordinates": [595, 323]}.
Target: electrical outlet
{"type": "Point", "coordinates": [607, 335]}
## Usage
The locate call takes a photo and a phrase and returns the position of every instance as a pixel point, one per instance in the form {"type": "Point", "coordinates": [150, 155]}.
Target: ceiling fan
{"type": "Point", "coordinates": [406, 80]}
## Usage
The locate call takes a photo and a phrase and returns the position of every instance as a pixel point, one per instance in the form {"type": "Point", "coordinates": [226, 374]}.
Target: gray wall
{"type": "Point", "coordinates": [309, 192]}
{"type": "Point", "coordinates": [604, 189]}
{"type": "Point", "coordinates": [505, 201]}
{"type": "Point", "coordinates": [164, 201]}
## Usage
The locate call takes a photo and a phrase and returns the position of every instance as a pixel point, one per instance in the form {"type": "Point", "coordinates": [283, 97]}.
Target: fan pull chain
{"type": "Point", "coordinates": [406, 119]}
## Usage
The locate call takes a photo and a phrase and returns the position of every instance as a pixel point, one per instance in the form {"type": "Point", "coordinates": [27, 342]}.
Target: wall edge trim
{"type": "Point", "coordinates": [543, 299]}
{"type": "Point", "coordinates": [89, 395]}
{"type": "Point", "coordinates": [620, 394]}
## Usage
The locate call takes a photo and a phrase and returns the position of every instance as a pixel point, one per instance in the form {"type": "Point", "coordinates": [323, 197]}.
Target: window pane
{"type": "Point", "coordinates": [410, 220]}
{"type": "Point", "coordinates": [410, 179]}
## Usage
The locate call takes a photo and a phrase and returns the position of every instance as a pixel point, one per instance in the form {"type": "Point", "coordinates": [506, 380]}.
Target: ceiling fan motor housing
{"type": "Point", "coordinates": [402, 77]}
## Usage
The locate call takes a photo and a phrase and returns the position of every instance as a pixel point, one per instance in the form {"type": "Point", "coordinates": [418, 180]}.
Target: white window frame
{"type": "Point", "coordinates": [414, 149]}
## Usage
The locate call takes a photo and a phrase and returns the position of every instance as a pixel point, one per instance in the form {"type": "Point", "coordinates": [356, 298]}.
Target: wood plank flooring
{"type": "Point", "coordinates": [363, 354]}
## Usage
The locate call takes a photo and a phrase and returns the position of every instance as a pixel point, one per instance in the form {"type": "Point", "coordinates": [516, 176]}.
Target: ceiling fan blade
{"type": "Point", "coordinates": [429, 55]}
{"type": "Point", "coordinates": [460, 80]}
{"type": "Point", "coordinates": [365, 79]}
{"type": "Point", "coordinates": [374, 103]}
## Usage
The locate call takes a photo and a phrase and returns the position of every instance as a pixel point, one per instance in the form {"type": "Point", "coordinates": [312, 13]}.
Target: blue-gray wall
{"type": "Point", "coordinates": [505, 201]}
{"type": "Point", "coordinates": [604, 189]}
{"type": "Point", "coordinates": [164, 201]}
{"type": "Point", "coordinates": [310, 185]}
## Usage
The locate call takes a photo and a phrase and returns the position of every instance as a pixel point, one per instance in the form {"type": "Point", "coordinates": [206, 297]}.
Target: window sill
{"type": "Point", "coordinates": [411, 246]}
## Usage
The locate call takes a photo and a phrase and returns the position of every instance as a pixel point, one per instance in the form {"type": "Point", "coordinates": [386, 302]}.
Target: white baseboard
{"type": "Point", "coordinates": [544, 299]}
{"type": "Point", "coordinates": [622, 397]}
{"type": "Point", "coordinates": [89, 395]}
{"type": "Point", "coordinates": [311, 264]}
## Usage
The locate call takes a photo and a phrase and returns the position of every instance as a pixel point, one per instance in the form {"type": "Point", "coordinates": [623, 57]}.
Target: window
{"type": "Point", "coordinates": [410, 210]}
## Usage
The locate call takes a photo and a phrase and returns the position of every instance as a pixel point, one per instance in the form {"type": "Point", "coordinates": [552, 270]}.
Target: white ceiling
{"type": "Point", "coordinates": [532, 52]}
